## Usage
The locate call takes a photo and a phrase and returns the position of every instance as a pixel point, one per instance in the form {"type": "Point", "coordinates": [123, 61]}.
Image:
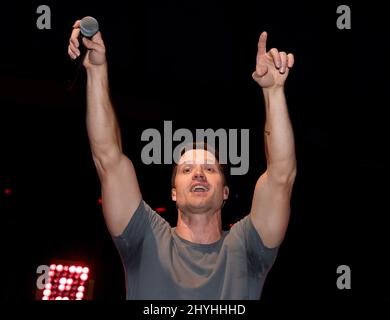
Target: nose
{"type": "Point", "coordinates": [199, 174]}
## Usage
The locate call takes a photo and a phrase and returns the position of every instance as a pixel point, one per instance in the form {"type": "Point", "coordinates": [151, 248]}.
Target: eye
{"type": "Point", "coordinates": [210, 168]}
{"type": "Point", "coordinates": [186, 169]}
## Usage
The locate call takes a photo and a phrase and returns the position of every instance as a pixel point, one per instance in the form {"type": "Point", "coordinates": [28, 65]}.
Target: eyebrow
{"type": "Point", "coordinates": [209, 161]}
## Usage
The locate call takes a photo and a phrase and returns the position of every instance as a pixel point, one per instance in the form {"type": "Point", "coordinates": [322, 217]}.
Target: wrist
{"type": "Point", "coordinates": [96, 70]}
{"type": "Point", "coordinates": [273, 91]}
{"type": "Point", "coordinates": [274, 96]}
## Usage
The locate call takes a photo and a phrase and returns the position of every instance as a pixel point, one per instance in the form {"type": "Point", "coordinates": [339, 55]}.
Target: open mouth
{"type": "Point", "coordinates": [199, 188]}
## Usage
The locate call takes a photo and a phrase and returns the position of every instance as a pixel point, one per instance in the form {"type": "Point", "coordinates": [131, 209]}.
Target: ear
{"type": "Point", "coordinates": [173, 194]}
{"type": "Point", "coordinates": [225, 192]}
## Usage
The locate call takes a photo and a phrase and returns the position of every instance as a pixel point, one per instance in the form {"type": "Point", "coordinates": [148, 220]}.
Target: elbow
{"type": "Point", "coordinates": [106, 159]}
{"type": "Point", "coordinates": [290, 176]}
{"type": "Point", "coordinates": [284, 177]}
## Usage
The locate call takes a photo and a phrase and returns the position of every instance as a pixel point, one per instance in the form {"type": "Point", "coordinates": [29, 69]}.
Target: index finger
{"type": "Point", "coordinates": [262, 45]}
{"type": "Point", "coordinates": [76, 24]}
{"type": "Point", "coordinates": [74, 37]}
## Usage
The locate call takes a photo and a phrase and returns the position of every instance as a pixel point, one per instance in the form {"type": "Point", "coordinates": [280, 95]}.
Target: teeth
{"type": "Point", "coordinates": [198, 188]}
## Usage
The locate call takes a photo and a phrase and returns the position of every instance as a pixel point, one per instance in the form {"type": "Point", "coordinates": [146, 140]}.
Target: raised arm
{"type": "Point", "coordinates": [270, 210]}
{"type": "Point", "coordinates": [120, 191]}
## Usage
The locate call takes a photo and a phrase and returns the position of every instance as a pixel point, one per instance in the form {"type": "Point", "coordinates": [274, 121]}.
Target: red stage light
{"type": "Point", "coordinates": [84, 277]}
{"type": "Point", "coordinates": [7, 191]}
{"type": "Point", "coordinates": [66, 282]}
{"type": "Point", "coordinates": [161, 210]}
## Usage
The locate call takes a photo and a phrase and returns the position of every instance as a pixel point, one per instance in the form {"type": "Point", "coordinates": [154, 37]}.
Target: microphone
{"type": "Point", "coordinates": [88, 28]}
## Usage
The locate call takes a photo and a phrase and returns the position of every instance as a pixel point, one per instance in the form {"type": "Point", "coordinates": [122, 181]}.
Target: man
{"type": "Point", "coordinates": [195, 260]}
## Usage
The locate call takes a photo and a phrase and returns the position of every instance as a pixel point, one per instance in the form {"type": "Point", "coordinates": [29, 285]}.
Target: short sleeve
{"type": "Point", "coordinates": [142, 223]}
{"type": "Point", "coordinates": [260, 257]}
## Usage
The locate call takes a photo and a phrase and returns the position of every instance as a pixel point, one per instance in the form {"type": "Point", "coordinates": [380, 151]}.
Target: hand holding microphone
{"type": "Point", "coordinates": [86, 43]}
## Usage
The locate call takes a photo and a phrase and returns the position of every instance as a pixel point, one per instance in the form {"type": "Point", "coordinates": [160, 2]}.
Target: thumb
{"type": "Point", "coordinates": [90, 44]}
{"type": "Point", "coordinates": [261, 70]}
{"type": "Point", "coordinates": [97, 38]}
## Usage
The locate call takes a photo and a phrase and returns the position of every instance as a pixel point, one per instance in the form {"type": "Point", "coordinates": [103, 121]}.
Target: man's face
{"type": "Point", "coordinates": [199, 183]}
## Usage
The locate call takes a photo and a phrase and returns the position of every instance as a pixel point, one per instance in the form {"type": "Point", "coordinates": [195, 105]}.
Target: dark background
{"type": "Point", "coordinates": [191, 63]}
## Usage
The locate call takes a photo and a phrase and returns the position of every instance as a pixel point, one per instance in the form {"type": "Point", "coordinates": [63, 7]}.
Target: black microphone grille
{"type": "Point", "coordinates": [89, 26]}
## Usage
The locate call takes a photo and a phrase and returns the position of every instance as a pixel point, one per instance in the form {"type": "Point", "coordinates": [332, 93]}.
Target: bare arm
{"type": "Point", "coordinates": [120, 191]}
{"type": "Point", "coordinates": [270, 210]}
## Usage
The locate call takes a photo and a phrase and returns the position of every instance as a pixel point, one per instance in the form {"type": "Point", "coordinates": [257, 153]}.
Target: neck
{"type": "Point", "coordinates": [199, 228]}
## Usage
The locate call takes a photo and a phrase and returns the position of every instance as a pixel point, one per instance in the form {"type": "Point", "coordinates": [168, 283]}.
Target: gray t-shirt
{"type": "Point", "coordinates": [161, 265]}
